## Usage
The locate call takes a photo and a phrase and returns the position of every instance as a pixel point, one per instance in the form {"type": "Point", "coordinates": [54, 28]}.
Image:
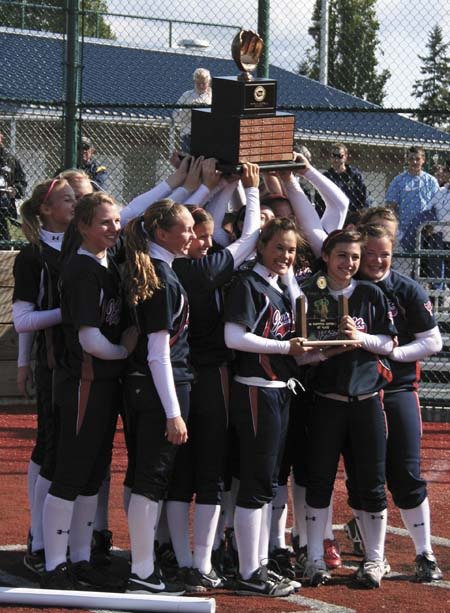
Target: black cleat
{"type": "Point", "coordinates": [60, 578]}
{"type": "Point", "coordinates": [101, 546]}
{"type": "Point", "coordinates": [427, 569]}
{"type": "Point", "coordinates": [263, 583]}
{"type": "Point", "coordinates": [153, 584]}
{"type": "Point", "coordinates": [197, 581]}
{"type": "Point", "coordinates": [35, 561]}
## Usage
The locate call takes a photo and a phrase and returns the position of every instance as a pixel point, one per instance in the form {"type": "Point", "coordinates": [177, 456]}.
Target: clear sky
{"type": "Point", "coordinates": [404, 29]}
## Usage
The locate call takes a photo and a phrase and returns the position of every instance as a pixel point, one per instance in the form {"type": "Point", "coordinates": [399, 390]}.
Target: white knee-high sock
{"type": "Point", "coordinates": [316, 520]}
{"type": "Point", "coordinates": [178, 520]}
{"type": "Point", "coordinates": [374, 526]}
{"type": "Point", "coordinates": [298, 500]}
{"type": "Point", "coordinates": [329, 527]}
{"type": "Point", "coordinates": [126, 498]}
{"type": "Point", "coordinates": [206, 517]}
{"type": "Point", "coordinates": [142, 518]}
{"type": "Point", "coordinates": [417, 522]}
{"type": "Point", "coordinates": [247, 529]}
{"type": "Point", "coordinates": [162, 531]}
{"type": "Point", "coordinates": [101, 516]}
{"type": "Point", "coordinates": [264, 535]}
{"type": "Point", "coordinates": [81, 528]}
{"type": "Point", "coordinates": [56, 519]}
{"type": "Point", "coordinates": [279, 519]}
{"type": "Point", "coordinates": [40, 492]}
{"type": "Point", "coordinates": [32, 475]}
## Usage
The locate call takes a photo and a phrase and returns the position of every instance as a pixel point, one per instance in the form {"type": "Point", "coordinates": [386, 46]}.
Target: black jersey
{"type": "Point", "coordinates": [36, 272]}
{"type": "Point", "coordinates": [252, 302]}
{"type": "Point", "coordinates": [413, 313]}
{"type": "Point", "coordinates": [203, 280]}
{"type": "Point", "coordinates": [356, 372]}
{"type": "Point", "coordinates": [167, 309]}
{"type": "Point", "coordinates": [91, 295]}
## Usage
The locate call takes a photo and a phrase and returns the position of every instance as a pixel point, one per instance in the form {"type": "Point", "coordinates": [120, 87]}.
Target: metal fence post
{"type": "Point", "coordinates": [263, 31]}
{"type": "Point", "coordinates": [72, 98]}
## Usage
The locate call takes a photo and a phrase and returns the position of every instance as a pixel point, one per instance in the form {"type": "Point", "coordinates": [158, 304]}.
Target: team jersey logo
{"type": "Point", "coordinates": [429, 307]}
{"type": "Point", "coordinates": [281, 324]}
{"type": "Point", "coordinates": [360, 324]}
{"type": "Point", "coordinates": [393, 311]}
{"type": "Point", "coordinates": [113, 308]}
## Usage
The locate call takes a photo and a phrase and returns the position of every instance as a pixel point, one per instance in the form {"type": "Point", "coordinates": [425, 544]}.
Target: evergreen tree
{"type": "Point", "coordinates": [433, 90]}
{"type": "Point", "coordinates": [54, 19]}
{"type": "Point", "coordinates": [352, 46]}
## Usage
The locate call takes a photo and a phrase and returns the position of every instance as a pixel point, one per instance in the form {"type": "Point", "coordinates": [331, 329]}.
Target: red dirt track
{"type": "Point", "coordinates": [398, 592]}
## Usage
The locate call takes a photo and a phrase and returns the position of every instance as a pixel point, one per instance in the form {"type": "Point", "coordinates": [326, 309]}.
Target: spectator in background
{"type": "Point", "coordinates": [201, 94]}
{"type": "Point", "coordinates": [410, 195]}
{"type": "Point", "coordinates": [440, 203]}
{"type": "Point", "coordinates": [349, 179]}
{"type": "Point", "coordinates": [12, 186]}
{"type": "Point", "coordinates": [96, 172]}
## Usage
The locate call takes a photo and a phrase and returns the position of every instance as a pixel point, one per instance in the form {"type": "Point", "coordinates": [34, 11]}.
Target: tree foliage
{"type": "Point", "coordinates": [352, 46]}
{"type": "Point", "coordinates": [52, 16]}
{"type": "Point", "coordinates": [433, 90]}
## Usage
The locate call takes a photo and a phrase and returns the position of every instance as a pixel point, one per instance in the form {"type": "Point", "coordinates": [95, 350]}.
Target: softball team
{"type": "Point", "coordinates": [186, 340]}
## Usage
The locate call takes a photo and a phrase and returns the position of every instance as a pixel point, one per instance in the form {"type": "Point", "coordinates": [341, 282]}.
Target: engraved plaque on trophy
{"type": "Point", "coordinates": [243, 124]}
{"type": "Point", "coordinates": [319, 314]}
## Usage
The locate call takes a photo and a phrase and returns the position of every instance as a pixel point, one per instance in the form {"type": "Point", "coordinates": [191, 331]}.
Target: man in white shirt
{"type": "Point", "coordinates": [201, 94]}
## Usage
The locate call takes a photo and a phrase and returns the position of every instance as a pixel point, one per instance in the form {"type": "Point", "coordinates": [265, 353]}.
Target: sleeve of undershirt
{"type": "Point", "coordinates": [138, 205]}
{"type": "Point", "coordinates": [423, 346]}
{"type": "Point", "coordinates": [27, 319]}
{"type": "Point", "coordinates": [95, 343]}
{"type": "Point", "coordinates": [217, 207]}
{"type": "Point", "coordinates": [246, 243]}
{"type": "Point", "coordinates": [307, 217]}
{"type": "Point", "coordinates": [198, 197]}
{"type": "Point", "coordinates": [158, 357]}
{"type": "Point", "coordinates": [376, 343]}
{"type": "Point", "coordinates": [237, 337]}
{"type": "Point", "coordinates": [336, 202]}
{"type": "Point", "coordinates": [25, 346]}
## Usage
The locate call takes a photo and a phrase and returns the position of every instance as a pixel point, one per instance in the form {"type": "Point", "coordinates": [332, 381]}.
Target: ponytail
{"type": "Point", "coordinates": [30, 209]}
{"type": "Point", "coordinates": [141, 279]}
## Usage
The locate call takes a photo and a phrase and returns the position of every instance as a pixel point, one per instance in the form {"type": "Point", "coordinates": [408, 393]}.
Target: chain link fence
{"type": "Point", "coordinates": [371, 75]}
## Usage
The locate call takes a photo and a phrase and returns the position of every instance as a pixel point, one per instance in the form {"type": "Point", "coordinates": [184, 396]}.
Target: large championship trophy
{"type": "Point", "coordinates": [243, 124]}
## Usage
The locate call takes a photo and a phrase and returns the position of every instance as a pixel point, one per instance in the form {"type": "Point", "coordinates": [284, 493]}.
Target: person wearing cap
{"type": "Point", "coordinates": [96, 171]}
{"type": "Point", "coordinates": [12, 186]}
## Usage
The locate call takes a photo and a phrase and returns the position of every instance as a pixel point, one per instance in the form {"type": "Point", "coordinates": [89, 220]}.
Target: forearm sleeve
{"type": "Point", "coordinates": [336, 202]}
{"type": "Point", "coordinates": [306, 214]}
{"type": "Point", "coordinates": [139, 204]}
{"type": "Point", "coordinates": [94, 342]}
{"type": "Point", "coordinates": [158, 357]}
{"type": "Point", "coordinates": [236, 337]}
{"type": "Point", "coordinates": [424, 345]}
{"type": "Point", "coordinates": [217, 207]}
{"type": "Point", "coordinates": [198, 197]}
{"type": "Point", "coordinates": [27, 319]}
{"type": "Point", "coordinates": [376, 343]}
{"type": "Point", "coordinates": [245, 245]}
{"type": "Point", "coordinates": [25, 345]}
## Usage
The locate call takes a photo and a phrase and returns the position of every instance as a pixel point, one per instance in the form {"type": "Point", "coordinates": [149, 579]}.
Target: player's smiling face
{"type": "Point", "coordinates": [278, 254]}
{"type": "Point", "coordinates": [103, 231]}
{"type": "Point", "coordinates": [178, 238]}
{"type": "Point", "coordinates": [342, 263]}
{"type": "Point", "coordinates": [376, 258]}
{"type": "Point", "coordinates": [203, 241]}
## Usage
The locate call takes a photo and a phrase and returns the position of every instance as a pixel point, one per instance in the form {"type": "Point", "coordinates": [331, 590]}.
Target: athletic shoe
{"type": "Point", "coordinates": [262, 583]}
{"type": "Point", "coordinates": [331, 554]}
{"type": "Point", "coordinates": [285, 580]}
{"type": "Point", "coordinates": [427, 569]}
{"type": "Point", "coordinates": [217, 558]}
{"type": "Point", "coordinates": [197, 581]}
{"type": "Point", "coordinates": [35, 561]}
{"type": "Point", "coordinates": [101, 546]}
{"type": "Point", "coordinates": [354, 535]}
{"type": "Point", "coordinates": [316, 572]}
{"type": "Point", "coordinates": [92, 578]}
{"type": "Point", "coordinates": [280, 562]}
{"type": "Point", "coordinates": [301, 561]}
{"type": "Point", "coordinates": [167, 561]}
{"type": "Point", "coordinates": [60, 578]}
{"type": "Point", "coordinates": [371, 572]}
{"type": "Point", "coordinates": [153, 584]}
{"type": "Point", "coordinates": [231, 557]}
